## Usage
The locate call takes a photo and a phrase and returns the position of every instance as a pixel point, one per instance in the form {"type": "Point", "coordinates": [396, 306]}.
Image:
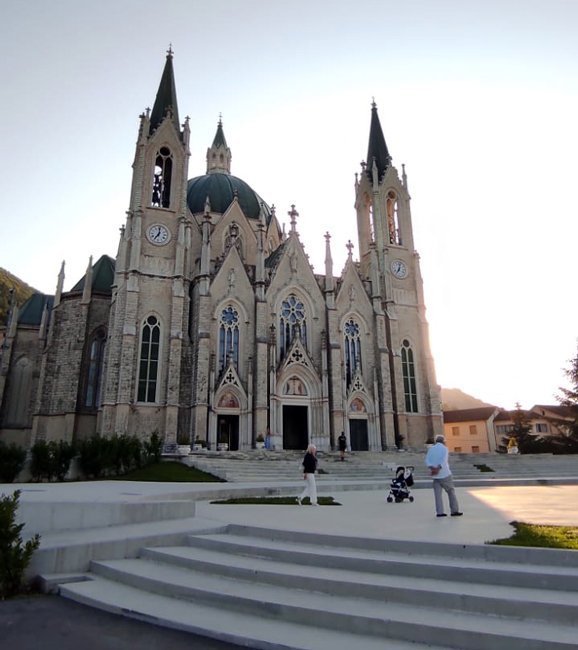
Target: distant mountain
{"type": "Point", "coordinates": [22, 292]}
{"type": "Point", "coordinates": [454, 399]}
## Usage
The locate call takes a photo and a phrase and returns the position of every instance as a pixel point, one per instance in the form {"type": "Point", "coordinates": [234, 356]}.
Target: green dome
{"type": "Point", "coordinates": [221, 189]}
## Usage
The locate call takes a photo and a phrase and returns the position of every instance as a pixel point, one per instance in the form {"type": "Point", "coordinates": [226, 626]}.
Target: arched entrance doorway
{"type": "Point", "coordinates": [295, 427]}
{"type": "Point", "coordinates": [228, 422]}
{"type": "Point", "coordinates": [358, 434]}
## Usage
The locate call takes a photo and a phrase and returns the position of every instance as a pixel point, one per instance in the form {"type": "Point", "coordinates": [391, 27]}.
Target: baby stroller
{"type": "Point", "coordinates": [399, 488]}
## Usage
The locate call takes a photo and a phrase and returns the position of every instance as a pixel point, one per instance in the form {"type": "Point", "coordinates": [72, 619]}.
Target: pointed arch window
{"type": "Point", "coordinates": [409, 383]}
{"type": "Point", "coordinates": [292, 323]}
{"type": "Point", "coordinates": [352, 349]}
{"type": "Point", "coordinates": [228, 337]}
{"type": "Point", "coordinates": [163, 172]}
{"type": "Point", "coordinates": [149, 360]}
{"type": "Point", "coordinates": [18, 393]}
{"type": "Point", "coordinates": [94, 370]}
{"type": "Point", "coordinates": [391, 210]}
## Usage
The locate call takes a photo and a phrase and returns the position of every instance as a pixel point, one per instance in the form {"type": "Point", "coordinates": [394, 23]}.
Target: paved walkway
{"type": "Point", "coordinates": [488, 511]}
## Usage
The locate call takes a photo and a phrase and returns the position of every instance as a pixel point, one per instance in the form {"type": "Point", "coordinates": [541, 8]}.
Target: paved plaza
{"type": "Point", "coordinates": [488, 513]}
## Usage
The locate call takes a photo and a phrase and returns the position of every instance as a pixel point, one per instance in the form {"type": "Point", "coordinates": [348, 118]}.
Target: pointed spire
{"type": "Point", "coordinates": [166, 100]}
{"type": "Point", "coordinates": [87, 289]}
{"type": "Point", "coordinates": [377, 149]}
{"type": "Point", "coordinates": [329, 284]}
{"type": "Point", "coordinates": [43, 323]}
{"type": "Point", "coordinates": [59, 285]}
{"type": "Point", "coordinates": [219, 154]}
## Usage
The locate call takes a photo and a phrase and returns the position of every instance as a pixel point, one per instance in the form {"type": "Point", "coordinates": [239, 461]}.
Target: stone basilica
{"type": "Point", "coordinates": [211, 325]}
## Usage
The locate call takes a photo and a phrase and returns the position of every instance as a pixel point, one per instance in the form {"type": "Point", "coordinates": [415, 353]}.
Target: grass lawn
{"type": "Point", "coordinates": [541, 536]}
{"type": "Point", "coordinates": [276, 501]}
{"type": "Point", "coordinates": [169, 472]}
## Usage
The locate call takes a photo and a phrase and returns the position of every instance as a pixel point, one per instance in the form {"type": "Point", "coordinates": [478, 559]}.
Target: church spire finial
{"type": "Point", "coordinates": [219, 154]}
{"type": "Point", "coordinates": [293, 214]}
{"type": "Point", "coordinates": [166, 99]}
{"type": "Point", "coordinates": [377, 148]}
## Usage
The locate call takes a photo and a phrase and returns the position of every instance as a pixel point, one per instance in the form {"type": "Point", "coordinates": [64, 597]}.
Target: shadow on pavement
{"type": "Point", "coordinates": [55, 623]}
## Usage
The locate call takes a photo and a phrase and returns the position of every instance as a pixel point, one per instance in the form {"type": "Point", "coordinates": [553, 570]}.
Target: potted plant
{"type": "Point", "coordinates": [260, 441]}
{"type": "Point", "coordinates": [199, 444]}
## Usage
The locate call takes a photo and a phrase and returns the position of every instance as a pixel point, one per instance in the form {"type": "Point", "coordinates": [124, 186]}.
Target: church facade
{"type": "Point", "coordinates": [210, 325]}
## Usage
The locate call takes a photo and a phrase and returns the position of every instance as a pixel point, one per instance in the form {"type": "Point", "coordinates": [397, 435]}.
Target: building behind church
{"type": "Point", "coordinates": [211, 325]}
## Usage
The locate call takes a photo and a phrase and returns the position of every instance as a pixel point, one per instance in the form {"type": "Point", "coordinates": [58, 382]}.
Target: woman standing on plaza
{"type": "Point", "coordinates": [309, 468]}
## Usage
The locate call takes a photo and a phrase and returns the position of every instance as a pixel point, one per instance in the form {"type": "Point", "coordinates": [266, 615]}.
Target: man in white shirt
{"type": "Point", "coordinates": [438, 464]}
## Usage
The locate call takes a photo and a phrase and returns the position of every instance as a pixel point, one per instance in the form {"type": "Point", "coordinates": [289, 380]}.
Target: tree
{"type": "Point", "coordinates": [568, 398]}
{"type": "Point", "coordinates": [521, 428]}
{"type": "Point", "coordinates": [15, 554]}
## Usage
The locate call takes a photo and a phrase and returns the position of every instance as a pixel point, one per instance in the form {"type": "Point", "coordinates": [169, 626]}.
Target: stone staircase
{"type": "Point", "coordinates": [377, 467]}
{"type": "Point", "coordinates": [265, 588]}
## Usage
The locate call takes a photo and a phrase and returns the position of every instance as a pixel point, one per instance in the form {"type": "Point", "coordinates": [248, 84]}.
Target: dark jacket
{"type": "Point", "coordinates": [309, 463]}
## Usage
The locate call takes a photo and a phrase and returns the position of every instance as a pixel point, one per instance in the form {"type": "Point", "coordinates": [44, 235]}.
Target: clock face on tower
{"type": "Point", "coordinates": [158, 234]}
{"type": "Point", "coordinates": [399, 269]}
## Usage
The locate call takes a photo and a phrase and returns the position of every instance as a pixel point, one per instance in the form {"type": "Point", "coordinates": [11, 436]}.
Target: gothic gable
{"type": "Point", "coordinates": [351, 294]}
{"type": "Point", "coordinates": [231, 279]}
{"type": "Point", "coordinates": [234, 229]}
{"type": "Point", "coordinates": [297, 357]}
{"type": "Point", "coordinates": [357, 385]}
{"type": "Point", "coordinates": [230, 387]}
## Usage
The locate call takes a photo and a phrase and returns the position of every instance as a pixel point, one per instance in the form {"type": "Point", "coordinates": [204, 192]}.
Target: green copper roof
{"type": "Point", "coordinates": [221, 189]}
{"type": "Point", "coordinates": [377, 148]}
{"type": "Point", "coordinates": [102, 277]}
{"type": "Point", "coordinates": [166, 97]}
{"type": "Point", "coordinates": [31, 311]}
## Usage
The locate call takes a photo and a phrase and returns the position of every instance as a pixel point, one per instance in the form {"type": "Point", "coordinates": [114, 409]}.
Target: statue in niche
{"type": "Point", "coordinates": [231, 279]}
{"type": "Point", "coordinates": [294, 386]}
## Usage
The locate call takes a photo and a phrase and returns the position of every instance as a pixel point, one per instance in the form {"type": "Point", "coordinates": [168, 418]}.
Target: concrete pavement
{"type": "Point", "coordinates": [65, 515]}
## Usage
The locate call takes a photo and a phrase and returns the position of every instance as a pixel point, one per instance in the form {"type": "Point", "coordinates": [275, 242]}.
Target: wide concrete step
{"type": "Point", "coordinates": [378, 466]}
{"type": "Point", "coordinates": [405, 589]}
{"type": "Point", "coordinates": [251, 630]}
{"type": "Point", "coordinates": [326, 591]}
{"type": "Point", "coordinates": [418, 561]}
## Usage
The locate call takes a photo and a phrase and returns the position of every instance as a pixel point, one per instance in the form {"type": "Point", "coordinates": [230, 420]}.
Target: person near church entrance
{"type": "Point", "coordinates": [342, 440]}
{"type": "Point", "coordinates": [309, 468]}
{"type": "Point", "coordinates": [437, 461]}
{"type": "Point", "coordinates": [268, 440]}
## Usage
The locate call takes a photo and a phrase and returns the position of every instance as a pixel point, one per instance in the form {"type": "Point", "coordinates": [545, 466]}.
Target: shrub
{"type": "Point", "coordinates": [51, 460]}
{"type": "Point", "coordinates": [61, 455]}
{"type": "Point", "coordinates": [12, 459]}
{"type": "Point", "coordinates": [101, 456]}
{"type": "Point", "coordinates": [93, 454]}
{"type": "Point", "coordinates": [40, 461]}
{"type": "Point", "coordinates": [153, 449]}
{"type": "Point", "coordinates": [15, 555]}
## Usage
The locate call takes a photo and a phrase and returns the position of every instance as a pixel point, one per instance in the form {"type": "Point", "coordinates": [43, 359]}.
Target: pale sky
{"type": "Point", "coordinates": [478, 99]}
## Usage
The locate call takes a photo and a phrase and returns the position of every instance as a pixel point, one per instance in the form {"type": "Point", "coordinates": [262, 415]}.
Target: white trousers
{"type": "Point", "coordinates": [310, 488]}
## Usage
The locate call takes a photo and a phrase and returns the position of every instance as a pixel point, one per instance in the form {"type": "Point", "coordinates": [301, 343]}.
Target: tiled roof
{"type": "Point", "coordinates": [509, 415]}
{"type": "Point", "coordinates": [555, 409]}
{"type": "Point", "coordinates": [468, 415]}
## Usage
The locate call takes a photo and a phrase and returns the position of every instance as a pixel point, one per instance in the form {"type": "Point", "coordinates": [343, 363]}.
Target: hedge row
{"type": "Point", "coordinates": [98, 457]}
